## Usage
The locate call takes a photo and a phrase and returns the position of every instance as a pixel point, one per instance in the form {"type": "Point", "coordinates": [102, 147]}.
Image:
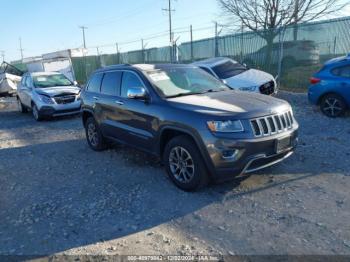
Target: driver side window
{"type": "Point", "coordinates": [130, 80]}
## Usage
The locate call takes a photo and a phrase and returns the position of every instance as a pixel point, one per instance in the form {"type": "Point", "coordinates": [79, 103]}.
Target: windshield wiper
{"type": "Point", "coordinates": [185, 94]}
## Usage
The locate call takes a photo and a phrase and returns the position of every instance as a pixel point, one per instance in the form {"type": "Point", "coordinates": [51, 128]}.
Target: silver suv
{"type": "Point", "coordinates": [48, 94]}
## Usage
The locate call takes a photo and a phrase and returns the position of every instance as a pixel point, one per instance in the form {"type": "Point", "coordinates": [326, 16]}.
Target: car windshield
{"type": "Point", "coordinates": [43, 81]}
{"type": "Point", "coordinates": [173, 82]}
{"type": "Point", "coordinates": [229, 69]}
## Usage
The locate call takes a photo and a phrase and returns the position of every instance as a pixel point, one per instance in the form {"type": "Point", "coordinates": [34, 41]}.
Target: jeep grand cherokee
{"type": "Point", "coordinates": [200, 128]}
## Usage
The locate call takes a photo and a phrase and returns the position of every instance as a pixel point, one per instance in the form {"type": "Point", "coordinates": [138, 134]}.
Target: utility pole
{"type": "Point", "coordinates": [169, 10]}
{"type": "Point", "coordinates": [296, 13]}
{"type": "Point", "coordinates": [117, 49]}
{"type": "Point", "coordinates": [83, 29]}
{"type": "Point", "coordinates": [216, 40]}
{"type": "Point", "coordinates": [191, 35]}
{"type": "Point", "coordinates": [20, 48]}
{"type": "Point", "coordinates": [3, 55]}
{"type": "Point", "coordinates": [143, 53]}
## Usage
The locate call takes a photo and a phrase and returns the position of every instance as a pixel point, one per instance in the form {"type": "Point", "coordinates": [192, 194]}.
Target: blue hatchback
{"type": "Point", "coordinates": [330, 87]}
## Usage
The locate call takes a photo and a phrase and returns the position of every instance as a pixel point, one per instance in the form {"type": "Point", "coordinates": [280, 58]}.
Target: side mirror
{"type": "Point", "coordinates": [75, 83]}
{"type": "Point", "coordinates": [137, 93]}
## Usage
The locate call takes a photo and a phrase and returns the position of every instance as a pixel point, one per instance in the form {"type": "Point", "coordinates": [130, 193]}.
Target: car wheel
{"type": "Point", "coordinates": [21, 107]}
{"type": "Point", "coordinates": [36, 113]}
{"type": "Point", "coordinates": [94, 136]}
{"type": "Point", "coordinates": [184, 164]}
{"type": "Point", "coordinates": [333, 105]}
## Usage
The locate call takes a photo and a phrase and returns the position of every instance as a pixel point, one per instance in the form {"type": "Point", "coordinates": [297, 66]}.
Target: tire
{"type": "Point", "coordinates": [36, 114]}
{"type": "Point", "coordinates": [94, 136]}
{"type": "Point", "coordinates": [195, 176]}
{"type": "Point", "coordinates": [21, 107]}
{"type": "Point", "coordinates": [333, 105]}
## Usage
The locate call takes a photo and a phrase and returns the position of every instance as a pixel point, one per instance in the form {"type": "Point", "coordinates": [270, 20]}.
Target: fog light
{"type": "Point", "coordinates": [229, 154]}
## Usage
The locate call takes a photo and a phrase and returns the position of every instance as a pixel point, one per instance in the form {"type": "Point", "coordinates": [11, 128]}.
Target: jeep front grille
{"type": "Point", "coordinates": [270, 125]}
{"type": "Point", "coordinates": [65, 99]}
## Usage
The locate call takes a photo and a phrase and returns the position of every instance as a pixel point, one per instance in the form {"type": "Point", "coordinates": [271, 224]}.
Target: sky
{"type": "Point", "coordinates": [48, 26]}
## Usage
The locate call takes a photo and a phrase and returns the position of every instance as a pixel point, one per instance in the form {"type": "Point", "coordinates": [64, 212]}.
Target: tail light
{"type": "Point", "coordinates": [314, 80]}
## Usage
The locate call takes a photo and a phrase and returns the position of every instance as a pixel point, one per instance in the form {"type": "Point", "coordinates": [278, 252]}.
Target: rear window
{"type": "Point", "coordinates": [343, 71]}
{"type": "Point", "coordinates": [229, 69]}
{"type": "Point", "coordinates": [95, 83]}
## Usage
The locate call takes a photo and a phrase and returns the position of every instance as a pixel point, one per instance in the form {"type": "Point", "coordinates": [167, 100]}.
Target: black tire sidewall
{"type": "Point", "coordinates": [341, 101]}
{"type": "Point", "coordinates": [101, 145]}
{"type": "Point", "coordinates": [39, 118]}
{"type": "Point", "coordinates": [200, 178]}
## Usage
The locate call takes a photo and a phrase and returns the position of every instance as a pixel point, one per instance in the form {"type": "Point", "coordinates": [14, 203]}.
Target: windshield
{"type": "Point", "coordinates": [174, 82]}
{"type": "Point", "coordinates": [229, 69]}
{"type": "Point", "coordinates": [44, 81]}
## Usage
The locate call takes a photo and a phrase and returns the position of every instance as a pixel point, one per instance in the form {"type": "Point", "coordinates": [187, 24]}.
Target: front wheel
{"type": "Point", "coordinates": [184, 164]}
{"type": "Point", "coordinates": [333, 105]}
{"type": "Point", "coordinates": [36, 114]}
{"type": "Point", "coordinates": [94, 136]}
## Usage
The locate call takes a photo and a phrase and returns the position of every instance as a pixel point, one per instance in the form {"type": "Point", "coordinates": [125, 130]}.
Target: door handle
{"type": "Point", "coordinates": [95, 98]}
{"type": "Point", "coordinates": [118, 102]}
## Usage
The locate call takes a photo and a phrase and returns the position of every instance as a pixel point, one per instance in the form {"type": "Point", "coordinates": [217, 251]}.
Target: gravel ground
{"type": "Point", "coordinates": [57, 196]}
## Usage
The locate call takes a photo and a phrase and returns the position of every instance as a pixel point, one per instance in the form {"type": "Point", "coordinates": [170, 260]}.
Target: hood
{"type": "Point", "coordinates": [249, 78]}
{"type": "Point", "coordinates": [231, 103]}
{"type": "Point", "coordinates": [58, 90]}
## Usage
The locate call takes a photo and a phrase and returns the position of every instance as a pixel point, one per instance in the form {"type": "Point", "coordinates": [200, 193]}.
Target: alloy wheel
{"type": "Point", "coordinates": [332, 106]}
{"type": "Point", "coordinates": [181, 164]}
{"type": "Point", "coordinates": [19, 105]}
{"type": "Point", "coordinates": [92, 134]}
{"type": "Point", "coordinates": [35, 112]}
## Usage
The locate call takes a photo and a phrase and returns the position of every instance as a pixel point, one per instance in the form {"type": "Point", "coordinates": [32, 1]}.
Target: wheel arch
{"type": "Point", "coordinates": [169, 132]}
{"type": "Point", "coordinates": [332, 93]}
{"type": "Point", "coordinates": [86, 114]}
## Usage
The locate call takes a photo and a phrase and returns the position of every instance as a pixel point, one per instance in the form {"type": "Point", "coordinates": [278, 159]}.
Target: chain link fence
{"type": "Point", "coordinates": [295, 54]}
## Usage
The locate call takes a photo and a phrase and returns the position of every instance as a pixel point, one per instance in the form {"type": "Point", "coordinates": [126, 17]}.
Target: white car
{"type": "Point", "coordinates": [48, 94]}
{"type": "Point", "coordinates": [238, 76]}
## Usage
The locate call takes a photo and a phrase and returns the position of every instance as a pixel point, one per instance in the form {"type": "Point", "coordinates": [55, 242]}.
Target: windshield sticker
{"type": "Point", "coordinates": [161, 76]}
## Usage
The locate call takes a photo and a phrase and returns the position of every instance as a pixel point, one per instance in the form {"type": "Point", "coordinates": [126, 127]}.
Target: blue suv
{"type": "Point", "coordinates": [330, 87]}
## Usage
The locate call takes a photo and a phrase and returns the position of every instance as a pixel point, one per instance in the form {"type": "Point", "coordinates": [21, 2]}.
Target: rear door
{"type": "Point", "coordinates": [26, 91]}
{"type": "Point", "coordinates": [92, 96]}
{"type": "Point", "coordinates": [343, 81]}
{"type": "Point", "coordinates": [111, 110]}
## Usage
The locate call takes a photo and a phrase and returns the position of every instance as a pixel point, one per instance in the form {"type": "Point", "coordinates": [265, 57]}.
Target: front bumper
{"type": "Point", "coordinates": [60, 110]}
{"type": "Point", "coordinates": [254, 154]}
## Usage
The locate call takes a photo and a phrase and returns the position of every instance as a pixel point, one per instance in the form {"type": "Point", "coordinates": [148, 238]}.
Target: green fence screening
{"type": "Point", "coordinates": [293, 60]}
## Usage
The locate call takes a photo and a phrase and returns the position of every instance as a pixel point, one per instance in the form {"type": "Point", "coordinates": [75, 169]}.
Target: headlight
{"type": "Point", "coordinates": [45, 99]}
{"type": "Point", "coordinates": [225, 126]}
{"type": "Point", "coordinates": [249, 89]}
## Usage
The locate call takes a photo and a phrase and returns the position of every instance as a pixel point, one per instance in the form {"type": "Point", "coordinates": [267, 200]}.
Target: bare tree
{"type": "Point", "coordinates": [268, 17]}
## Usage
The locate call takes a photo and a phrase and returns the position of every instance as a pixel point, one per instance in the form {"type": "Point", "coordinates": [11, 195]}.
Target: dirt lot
{"type": "Point", "coordinates": [58, 196]}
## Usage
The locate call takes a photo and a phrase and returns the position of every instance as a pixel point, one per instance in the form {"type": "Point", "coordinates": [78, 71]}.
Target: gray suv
{"type": "Point", "coordinates": [200, 128]}
{"type": "Point", "coordinates": [48, 94]}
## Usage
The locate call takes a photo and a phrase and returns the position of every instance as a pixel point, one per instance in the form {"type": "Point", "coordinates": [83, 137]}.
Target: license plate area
{"type": "Point", "coordinates": [282, 144]}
